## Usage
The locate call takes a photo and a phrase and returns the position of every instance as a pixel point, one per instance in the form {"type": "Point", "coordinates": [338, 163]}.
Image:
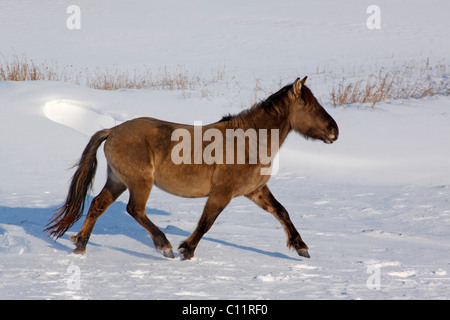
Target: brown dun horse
{"type": "Point", "coordinates": [138, 154]}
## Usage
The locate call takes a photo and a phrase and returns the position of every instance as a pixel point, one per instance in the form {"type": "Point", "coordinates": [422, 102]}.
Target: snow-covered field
{"type": "Point", "coordinates": [373, 207]}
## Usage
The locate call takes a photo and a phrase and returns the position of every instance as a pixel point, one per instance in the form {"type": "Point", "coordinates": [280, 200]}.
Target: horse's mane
{"type": "Point", "coordinates": [274, 105]}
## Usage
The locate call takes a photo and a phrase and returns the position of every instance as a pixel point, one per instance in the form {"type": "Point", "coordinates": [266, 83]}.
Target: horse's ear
{"type": "Point", "coordinates": [297, 87]}
{"type": "Point", "coordinates": [304, 80]}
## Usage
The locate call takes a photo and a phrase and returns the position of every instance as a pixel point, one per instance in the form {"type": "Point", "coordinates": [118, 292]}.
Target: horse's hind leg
{"type": "Point", "coordinates": [264, 198]}
{"type": "Point", "coordinates": [110, 192]}
{"type": "Point", "coordinates": [139, 194]}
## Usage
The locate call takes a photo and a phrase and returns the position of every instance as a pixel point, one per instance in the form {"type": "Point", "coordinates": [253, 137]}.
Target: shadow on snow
{"type": "Point", "coordinates": [115, 221]}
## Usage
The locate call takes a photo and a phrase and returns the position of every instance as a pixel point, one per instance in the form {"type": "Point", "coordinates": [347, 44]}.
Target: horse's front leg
{"type": "Point", "coordinates": [264, 199]}
{"type": "Point", "coordinates": [217, 201]}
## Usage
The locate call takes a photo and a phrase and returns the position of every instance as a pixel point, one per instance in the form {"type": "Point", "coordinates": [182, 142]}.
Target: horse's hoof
{"type": "Point", "coordinates": [303, 253]}
{"type": "Point", "coordinates": [185, 254]}
{"type": "Point", "coordinates": [168, 253]}
{"type": "Point", "coordinates": [185, 251]}
{"type": "Point", "coordinates": [186, 258]}
{"type": "Point", "coordinates": [79, 250]}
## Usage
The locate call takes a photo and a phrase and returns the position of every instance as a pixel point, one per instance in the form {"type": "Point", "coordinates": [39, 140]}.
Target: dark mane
{"type": "Point", "coordinates": [274, 104]}
{"type": "Point", "coordinates": [228, 117]}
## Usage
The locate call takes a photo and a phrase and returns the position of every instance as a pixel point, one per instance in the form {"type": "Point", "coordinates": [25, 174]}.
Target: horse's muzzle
{"type": "Point", "coordinates": [330, 137]}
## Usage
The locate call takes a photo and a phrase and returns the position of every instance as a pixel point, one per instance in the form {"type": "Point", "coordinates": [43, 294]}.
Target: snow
{"type": "Point", "coordinates": [373, 207]}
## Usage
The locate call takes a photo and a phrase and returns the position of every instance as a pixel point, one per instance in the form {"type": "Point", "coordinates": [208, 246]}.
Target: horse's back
{"type": "Point", "coordinates": [142, 149]}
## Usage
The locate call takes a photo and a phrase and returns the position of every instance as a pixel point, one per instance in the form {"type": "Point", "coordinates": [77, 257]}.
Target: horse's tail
{"type": "Point", "coordinates": [82, 180]}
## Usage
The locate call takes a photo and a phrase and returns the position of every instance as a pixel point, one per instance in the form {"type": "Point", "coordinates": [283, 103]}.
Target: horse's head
{"type": "Point", "coordinates": [308, 117]}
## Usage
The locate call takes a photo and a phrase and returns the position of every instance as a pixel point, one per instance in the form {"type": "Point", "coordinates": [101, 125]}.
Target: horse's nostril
{"type": "Point", "coordinates": [334, 134]}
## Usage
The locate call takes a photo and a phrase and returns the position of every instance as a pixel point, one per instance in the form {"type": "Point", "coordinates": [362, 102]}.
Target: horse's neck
{"type": "Point", "coordinates": [280, 123]}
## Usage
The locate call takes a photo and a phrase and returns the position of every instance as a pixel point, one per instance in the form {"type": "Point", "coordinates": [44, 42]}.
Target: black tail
{"type": "Point", "coordinates": [82, 181]}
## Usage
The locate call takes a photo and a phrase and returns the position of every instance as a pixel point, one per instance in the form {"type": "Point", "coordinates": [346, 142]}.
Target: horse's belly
{"type": "Point", "coordinates": [184, 182]}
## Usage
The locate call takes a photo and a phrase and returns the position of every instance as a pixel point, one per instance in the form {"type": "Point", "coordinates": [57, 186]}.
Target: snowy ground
{"type": "Point", "coordinates": [373, 207]}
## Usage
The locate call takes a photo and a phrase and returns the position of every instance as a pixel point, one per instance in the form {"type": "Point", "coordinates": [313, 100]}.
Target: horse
{"type": "Point", "coordinates": [141, 153]}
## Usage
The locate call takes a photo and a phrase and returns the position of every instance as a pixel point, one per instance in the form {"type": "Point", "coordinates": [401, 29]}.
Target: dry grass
{"type": "Point", "coordinates": [412, 80]}
{"type": "Point", "coordinates": [146, 78]}
{"type": "Point", "coordinates": [409, 81]}
{"type": "Point", "coordinates": [20, 69]}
